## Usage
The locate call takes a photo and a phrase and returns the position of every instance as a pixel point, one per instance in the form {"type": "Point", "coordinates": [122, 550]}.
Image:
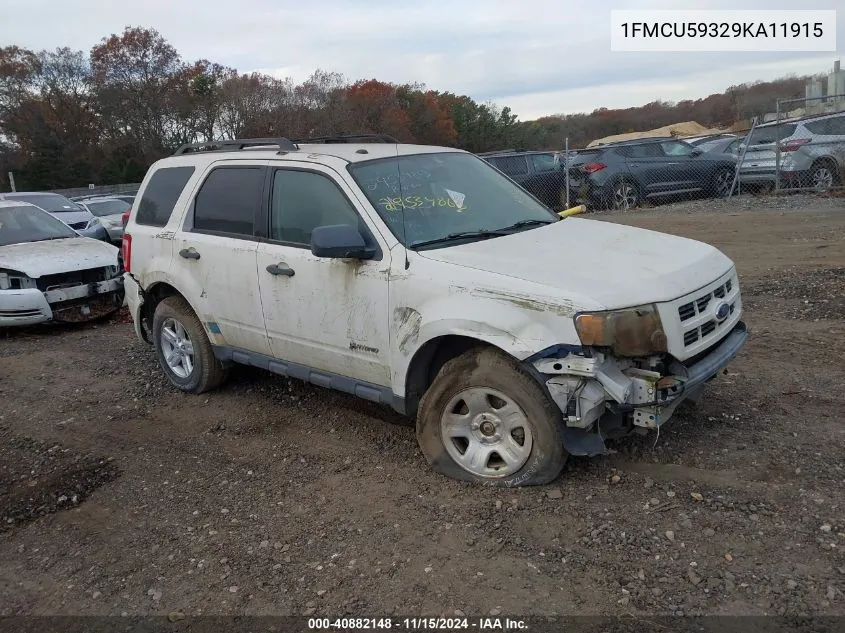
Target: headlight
{"type": "Point", "coordinates": [92, 223]}
{"type": "Point", "coordinates": [630, 332]}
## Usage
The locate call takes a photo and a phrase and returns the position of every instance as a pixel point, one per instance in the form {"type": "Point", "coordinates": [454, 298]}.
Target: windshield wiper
{"type": "Point", "coordinates": [453, 237]}
{"type": "Point", "coordinates": [525, 223]}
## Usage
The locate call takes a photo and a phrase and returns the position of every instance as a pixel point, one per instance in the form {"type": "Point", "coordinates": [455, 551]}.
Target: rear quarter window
{"type": "Point", "coordinates": [161, 194]}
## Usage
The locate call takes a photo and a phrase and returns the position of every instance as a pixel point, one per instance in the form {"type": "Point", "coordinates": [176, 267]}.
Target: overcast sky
{"type": "Point", "coordinates": [537, 56]}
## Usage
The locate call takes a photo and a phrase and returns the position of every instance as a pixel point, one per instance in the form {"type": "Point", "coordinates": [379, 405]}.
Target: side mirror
{"type": "Point", "coordinates": [340, 241]}
{"type": "Point", "coordinates": [696, 152]}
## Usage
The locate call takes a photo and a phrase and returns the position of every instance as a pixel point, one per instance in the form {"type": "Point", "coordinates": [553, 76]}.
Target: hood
{"type": "Point", "coordinates": [35, 259]}
{"type": "Point", "coordinates": [611, 264]}
{"type": "Point", "coordinates": [72, 217]}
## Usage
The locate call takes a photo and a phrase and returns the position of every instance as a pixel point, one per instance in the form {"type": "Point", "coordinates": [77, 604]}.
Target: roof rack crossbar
{"type": "Point", "coordinates": [349, 138]}
{"type": "Point", "coordinates": [284, 145]}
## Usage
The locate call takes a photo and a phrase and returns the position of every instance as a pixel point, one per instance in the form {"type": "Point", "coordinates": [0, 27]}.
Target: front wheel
{"type": "Point", "coordinates": [722, 183]}
{"type": "Point", "coordinates": [823, 176]}
{"type": "Point", "coordinates": [183, 349]}
{"type": "Point", "coordinates": [486, 421]}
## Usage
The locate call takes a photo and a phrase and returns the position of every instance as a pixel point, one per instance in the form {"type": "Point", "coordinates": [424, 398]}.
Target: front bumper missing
{"type": "Point", "coordinates": [598, 397]}
{"type": "Point", "coordinates": [72, 304]}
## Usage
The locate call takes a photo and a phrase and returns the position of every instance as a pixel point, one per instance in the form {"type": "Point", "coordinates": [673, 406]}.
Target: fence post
{"type": "Point", "coordinates": [12, 181]}
{"type": "Point", "coordinates": [566, 169]}
{"type": "Point", "coordinates": [742, 157]}
{"type": "Point", "coordinates": [777, 148]}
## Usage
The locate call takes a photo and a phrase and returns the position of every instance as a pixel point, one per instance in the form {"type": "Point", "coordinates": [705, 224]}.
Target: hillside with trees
{"type": "Point", "coordinates": [69, 118]}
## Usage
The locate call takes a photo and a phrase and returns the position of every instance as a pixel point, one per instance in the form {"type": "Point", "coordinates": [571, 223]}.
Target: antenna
{"type": "Point", "coordinates": [402, 208]}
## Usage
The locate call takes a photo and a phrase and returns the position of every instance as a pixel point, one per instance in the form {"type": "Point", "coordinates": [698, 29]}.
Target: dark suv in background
{"type": "Point", "coordinates": [624, 174]}
{"type": "Point", "coordinates": [540, 173]}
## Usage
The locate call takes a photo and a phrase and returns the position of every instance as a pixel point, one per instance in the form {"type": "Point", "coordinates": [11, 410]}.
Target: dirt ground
{"type": "Point", "coordinates": [119, 495]}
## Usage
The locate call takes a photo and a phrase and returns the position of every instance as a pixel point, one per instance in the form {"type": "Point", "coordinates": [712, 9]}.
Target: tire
{"type": "Point", "coordinates": [489, 378]}
{"type": "Point", "coordinates": [174, 316]}
{"type": "Point", "coordinates": [824, 174]}
{"type": "Point", "coordinates": [625, 195]}
{"type": "Point", "coordinates": [721, 182]}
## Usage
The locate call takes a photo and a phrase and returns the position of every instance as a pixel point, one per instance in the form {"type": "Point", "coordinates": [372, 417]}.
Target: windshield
{"type": "Point", "coordinates": [442, 194]}
{"type": "Point", "coordinates": [52, 202]}
{"type": "Point", "coordinates": [108, 207]}
{"type": "Point", "coordinates": [27, 224]}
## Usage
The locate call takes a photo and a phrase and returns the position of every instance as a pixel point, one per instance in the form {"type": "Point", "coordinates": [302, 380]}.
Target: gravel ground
{"type": "Point", "coordinates": [119, 495]}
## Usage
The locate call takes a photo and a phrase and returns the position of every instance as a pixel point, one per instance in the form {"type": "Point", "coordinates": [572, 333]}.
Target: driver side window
{"type": "Point", "coordinates": [676, 148]}
{"type": "Point", "coordinates": [304, 200]}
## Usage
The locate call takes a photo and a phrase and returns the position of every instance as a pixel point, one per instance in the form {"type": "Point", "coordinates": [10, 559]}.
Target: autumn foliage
{"type": "Point", "coordinates": [68, 118]}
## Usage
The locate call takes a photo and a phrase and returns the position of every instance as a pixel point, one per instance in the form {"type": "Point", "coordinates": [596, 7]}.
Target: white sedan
{"type": "Point", "coordinates": [49, 272]}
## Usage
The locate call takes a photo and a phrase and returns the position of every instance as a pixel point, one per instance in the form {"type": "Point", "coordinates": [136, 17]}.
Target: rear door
{"type": "Point", "coordinates": [214, 257]}
{"type": "Point", "coordinates": [655, 171]}
{"type": "Point", "coordinates": [686, 170]}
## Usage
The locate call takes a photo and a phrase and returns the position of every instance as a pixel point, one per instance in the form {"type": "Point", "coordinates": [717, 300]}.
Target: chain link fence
{"type": "Point", "coordinates": [102, 190]}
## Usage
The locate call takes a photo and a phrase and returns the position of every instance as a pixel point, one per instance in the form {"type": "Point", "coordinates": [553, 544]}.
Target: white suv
{"type": "Point", "coordinates": [423, 278]}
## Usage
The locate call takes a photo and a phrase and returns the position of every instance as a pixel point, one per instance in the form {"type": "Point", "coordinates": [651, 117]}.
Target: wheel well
{"type": "Point", "coordinates": [428, 361]}
{"type": "Point", "coordinates": [152, 297]}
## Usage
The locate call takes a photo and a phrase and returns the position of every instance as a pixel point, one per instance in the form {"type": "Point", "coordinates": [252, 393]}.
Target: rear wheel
{"type": "Point", "coordinates": [183, 349]}
{"type": "Point", "coordinates": [486, 421]}
{"type": "Point", "coordinates": [824, 175]}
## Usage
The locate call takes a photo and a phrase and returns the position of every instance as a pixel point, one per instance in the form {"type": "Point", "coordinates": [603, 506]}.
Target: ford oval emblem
{"type": "Point", "coordinates": [722, 311]}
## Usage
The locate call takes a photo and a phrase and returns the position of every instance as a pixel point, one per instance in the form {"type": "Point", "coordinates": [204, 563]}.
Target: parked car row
{"type": "Point", "coordinates": [50, 271]}
{"type": "Point", "coordinates": [625, 174]}
{"type": "Point", "coordinates": [97, 217]}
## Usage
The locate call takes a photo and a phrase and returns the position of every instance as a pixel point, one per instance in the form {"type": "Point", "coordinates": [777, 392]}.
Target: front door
{"type": "Point", "coordinates": [325, 314]}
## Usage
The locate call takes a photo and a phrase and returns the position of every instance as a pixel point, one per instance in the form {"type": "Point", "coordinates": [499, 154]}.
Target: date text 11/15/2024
{"type": "Point", "coordinates": [417, 624]}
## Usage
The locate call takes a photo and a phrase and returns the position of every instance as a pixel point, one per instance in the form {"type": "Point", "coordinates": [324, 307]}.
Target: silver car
{"type": "Point", "coordinates": [110, 211]}
{"type": "Point", "coordinates": [812, 153]}
{"type": "Point", "coordinates": [76, 217]}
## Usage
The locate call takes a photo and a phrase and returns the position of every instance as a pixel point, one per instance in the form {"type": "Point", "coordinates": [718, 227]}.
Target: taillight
{"type": "Point", "coordinates": [591, 168]}
{"type": "Point", "coordinates": [793, 145]}
{"type": "Point", "coordinates": [126, 251]}
{"type": "Point", "coordinates": [126, 218]}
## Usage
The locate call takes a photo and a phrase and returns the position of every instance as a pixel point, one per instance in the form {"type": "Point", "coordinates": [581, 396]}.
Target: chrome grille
{"type": "Point", "coordinates": [699, 305]}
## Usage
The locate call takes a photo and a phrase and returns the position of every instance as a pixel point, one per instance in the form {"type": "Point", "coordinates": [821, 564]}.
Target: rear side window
{"type": "Point", "coordinates": [161, 194]}
{"type": "Point", "coordinates": [511, 165]}
{"type": "Point", "coordinates": [772, 134]}
{"type": "Point", "coordinates": [228, 200]}
{"type": "Point", "coordinates": [832, 126]}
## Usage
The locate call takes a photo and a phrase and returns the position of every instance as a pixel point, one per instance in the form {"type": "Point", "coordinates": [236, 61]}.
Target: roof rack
{"type": "Point", "coordinates": [284, 145]}
{"type": "Point", "coordinates": [349, 138]}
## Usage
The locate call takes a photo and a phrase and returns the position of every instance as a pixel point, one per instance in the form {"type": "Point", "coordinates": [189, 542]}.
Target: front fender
{"type": "Point", "coordinates": [517, 328]}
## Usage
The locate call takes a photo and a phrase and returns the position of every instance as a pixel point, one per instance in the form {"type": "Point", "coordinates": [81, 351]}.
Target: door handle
{"type": "Point", "coordinates": [189, 253]}
{"type": "Point", "coordinates": [280, 269]}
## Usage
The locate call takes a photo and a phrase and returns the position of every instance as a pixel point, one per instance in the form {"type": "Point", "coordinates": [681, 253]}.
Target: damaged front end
{"type": "Point", "coordinates": [68, 297]}
{"type": "Point", "coordinates": [623, 375]}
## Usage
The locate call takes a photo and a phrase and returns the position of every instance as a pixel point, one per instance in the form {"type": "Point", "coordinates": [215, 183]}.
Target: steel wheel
{"type": "Point", "coordinates": [822, 178]}
{"type": "Point", "coordinates": [486, 432]}
{"type": "Point", "coordinates": [625, 196]}
{"type": "Point", "coordinates": [176, 347]}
